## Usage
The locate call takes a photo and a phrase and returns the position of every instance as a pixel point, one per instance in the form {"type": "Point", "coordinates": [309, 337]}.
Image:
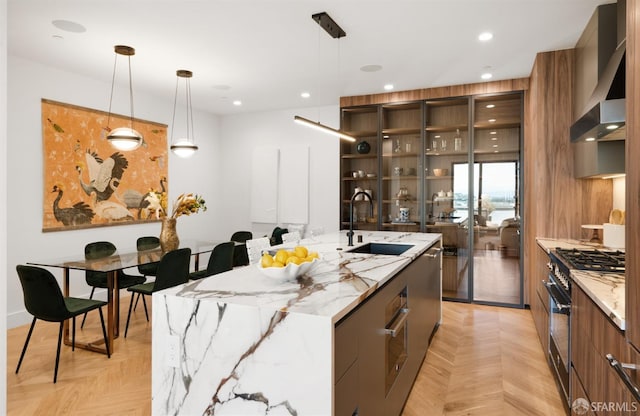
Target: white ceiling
{"type": "Point", "coordinates": [266, 52]}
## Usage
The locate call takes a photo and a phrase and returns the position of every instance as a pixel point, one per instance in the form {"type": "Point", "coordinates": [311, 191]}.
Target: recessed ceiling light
{"type": "Point", "coordinates": [437, 136]}
{"type": "Point", "coordinates": [485, 36]}
{"type": "Point", "coordinates": [385, 136]}
{"type": "Point", "coordinates": [69, 26]}
{"type": "Point", "coordinates": [493, 132]}
{"type": "Point", "coordinates": [492, 120]}
{"type": "Point", "coordinates": [305, 94]}
{"type": "Point", "coordinates": [612, 126]}
{"type": "Point", "coordinates": [496, 151]}
{"type": "Point", "coordinates": [388, 87]}
{"type": "Point", "coordinates": [237, 103]}
{"type": "Point", "coordinates": [486, 75]}
{"type": "Point", "coordinates": [491, 105]}
{"type": "Point", "coordinates": [371, 68]}
{"type": "Point", "coordinates": [589, 139]}
{"type": "Point", "coordinates": [495, 145]}
{"type": "Point", "coordinates": [494, 139]}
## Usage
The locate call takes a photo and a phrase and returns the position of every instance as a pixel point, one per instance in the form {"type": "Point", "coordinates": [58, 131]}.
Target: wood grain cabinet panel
{"type": "Point", "coordinates": [593, 336]}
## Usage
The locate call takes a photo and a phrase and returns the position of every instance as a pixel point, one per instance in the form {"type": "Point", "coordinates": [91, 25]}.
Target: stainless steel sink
{"type": "Point", "coordinates": [382, 248]}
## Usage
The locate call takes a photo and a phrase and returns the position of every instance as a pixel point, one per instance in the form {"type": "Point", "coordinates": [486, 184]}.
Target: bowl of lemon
{"type": "Point", "coordinates": [287, 264]}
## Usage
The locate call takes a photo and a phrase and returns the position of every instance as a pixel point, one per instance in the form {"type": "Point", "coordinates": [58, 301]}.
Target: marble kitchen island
{"type": "Point", "coordinates": [240, 343]}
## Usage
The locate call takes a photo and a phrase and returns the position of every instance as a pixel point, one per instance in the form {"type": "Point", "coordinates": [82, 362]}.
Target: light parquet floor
{"type": "Point", "coordinates": [483, 361]}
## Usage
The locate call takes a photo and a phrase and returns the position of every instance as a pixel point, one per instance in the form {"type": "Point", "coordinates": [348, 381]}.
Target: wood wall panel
{"type": "Point", "coordinates": [518, 84]}
{"type": "Point", "coordinates": [633, 174]}
{"type": "Point", "coordinates": [556, 204]}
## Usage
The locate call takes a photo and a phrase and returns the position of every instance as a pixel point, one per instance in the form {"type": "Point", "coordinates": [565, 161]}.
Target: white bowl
{"type": "Point", "coordinates": [289, 272]}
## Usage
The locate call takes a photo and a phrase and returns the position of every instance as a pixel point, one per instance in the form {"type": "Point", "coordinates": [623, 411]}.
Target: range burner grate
{"type": "Point", "coordinates": [594, 260]}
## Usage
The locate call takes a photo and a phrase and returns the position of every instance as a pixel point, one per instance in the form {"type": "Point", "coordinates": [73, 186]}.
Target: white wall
{"type": "Point", "coordinates": [241, 133]}
{"type": "Point", "coordinates": [29, 82]}
{"type": "Point", "coordinates": [3, 204]}
{"type": "Point", "coordinates": [220, 171]}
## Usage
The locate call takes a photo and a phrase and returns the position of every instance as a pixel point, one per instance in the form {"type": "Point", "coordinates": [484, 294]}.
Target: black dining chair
{"type": "Point", "coordinates": [276, 236]}
{"type": "Point", "coordinates": [240, 256]}
{"type": "Point", "coordinates": [173, 270]}
{"type": "Point", "coordinates": [98, 250]}
{"type": "Point", "coordinates": [44, 300]}
{"type": "Point", "coordinates": [221, 260]}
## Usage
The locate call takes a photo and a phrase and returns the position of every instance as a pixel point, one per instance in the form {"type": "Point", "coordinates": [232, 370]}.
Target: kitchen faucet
{"type": "Point", "coordinates": [368, 197]}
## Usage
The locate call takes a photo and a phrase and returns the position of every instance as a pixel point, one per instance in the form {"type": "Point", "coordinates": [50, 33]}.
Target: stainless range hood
{"type": "Point", "coordinates": [606, 106]}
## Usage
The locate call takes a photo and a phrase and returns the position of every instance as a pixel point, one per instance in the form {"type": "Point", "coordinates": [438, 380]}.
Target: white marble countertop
{"type": "Point", "coordinates": [607, 290]}
{"type": "Point", "coordinates": [332, 288]}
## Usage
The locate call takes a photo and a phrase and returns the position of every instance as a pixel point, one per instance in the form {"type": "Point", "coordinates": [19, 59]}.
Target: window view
{"type": "Point", "coordinates": [495, 190]}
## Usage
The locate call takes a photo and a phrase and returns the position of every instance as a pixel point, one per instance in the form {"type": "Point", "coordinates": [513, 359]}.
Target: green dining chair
{"type": "Point", "coordinates": [44, 300]}
{"type": "Point", "coordinates": [240, 256]}
{"type": "Point", "coordinates": [98, 250]}
{"type": "Point", "coordinates": [220, 260]}
{"type": "Point", "coordinates": [148, 243]}
{"type": "Point", "coordinates": [173, 270]}
{"type": "Point", "coordinates": [149, 269]}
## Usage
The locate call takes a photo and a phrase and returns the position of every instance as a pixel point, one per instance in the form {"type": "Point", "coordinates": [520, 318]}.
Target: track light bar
{"type": "Point", "coordinates": [323, 128]}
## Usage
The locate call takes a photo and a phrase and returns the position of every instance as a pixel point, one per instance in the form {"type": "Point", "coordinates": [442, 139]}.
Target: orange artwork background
{"type": "Point", "coordinates": [98, 185]}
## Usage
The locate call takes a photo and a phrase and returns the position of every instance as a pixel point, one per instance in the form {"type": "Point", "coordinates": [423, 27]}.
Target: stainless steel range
{"type": "Point", "coordinates": [559, 288]}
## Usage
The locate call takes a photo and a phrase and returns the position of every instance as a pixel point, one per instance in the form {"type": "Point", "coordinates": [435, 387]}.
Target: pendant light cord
{"type": "Point", "coordinates": [175, 102]}
{"type": "Point", "coordinates": [130, 89]}
{"type": "Point", "coordinates": [113, 83]}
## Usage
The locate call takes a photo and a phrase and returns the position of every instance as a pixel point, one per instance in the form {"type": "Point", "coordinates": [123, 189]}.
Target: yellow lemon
{"type": "Point", "coordinates": [277, 264]}
{"type": "Point", "coordinates": [266, 260]}
{"type": "Point", "coordinates": [293, 259]}
{"type": "Point", "coordinates": [301, 251]}
{"type": "Point", "coordinates": [281, 256]}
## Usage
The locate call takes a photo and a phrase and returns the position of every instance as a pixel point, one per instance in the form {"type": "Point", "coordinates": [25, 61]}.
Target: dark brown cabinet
{"type": "Point", "coordinates": [374, 369]}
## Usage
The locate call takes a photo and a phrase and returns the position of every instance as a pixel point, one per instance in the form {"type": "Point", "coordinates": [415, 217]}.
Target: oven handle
{"type": "Point", "coordinates": [393, 328]}
{"type": "Point", "coordinates": [619, 367]}
{"type": "Point", "coordinates": [563, 308]}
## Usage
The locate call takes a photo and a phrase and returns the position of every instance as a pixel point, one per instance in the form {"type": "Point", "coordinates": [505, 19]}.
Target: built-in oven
{"type": "Point", "coordinates": [396, 313]}
{"type": "Point", "coordinates": [559, 331]}
{"type": "Point", "coordinates": [558, 283]}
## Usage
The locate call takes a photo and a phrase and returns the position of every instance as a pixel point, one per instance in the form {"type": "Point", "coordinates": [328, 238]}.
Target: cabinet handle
{"type": "Point", "coordinates": [619, 367]}
{"type": "Point", "coordinates": [394, 328]}
{"type": "Point", "coordinates": [433, 253]}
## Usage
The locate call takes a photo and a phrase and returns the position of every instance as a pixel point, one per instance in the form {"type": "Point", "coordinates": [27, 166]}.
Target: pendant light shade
{"type": "Point", "coordinates": [184, 146]}
{"type": "Point", "coordinates": [123, 138]}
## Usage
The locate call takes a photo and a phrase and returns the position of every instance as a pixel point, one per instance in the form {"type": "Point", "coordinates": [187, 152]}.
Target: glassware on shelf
{"type": "Point", "coordinates": [443, 145]}
{"type": "Point", "coordinates": [457, 141]}
{"type": "Point", "coordinates": [397, 149]}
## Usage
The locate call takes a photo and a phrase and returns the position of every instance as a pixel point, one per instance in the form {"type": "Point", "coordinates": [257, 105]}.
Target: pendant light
{"type": "Point", "coordinates": [123, 138]}
{"type": "Point", "coordinates": [335, 31]}
{"type": "Point", "coordinates": [184, 147]}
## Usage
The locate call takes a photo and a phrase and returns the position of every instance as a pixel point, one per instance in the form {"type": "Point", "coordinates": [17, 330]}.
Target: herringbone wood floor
{"type": "Point", "coordinates": [483, 361]}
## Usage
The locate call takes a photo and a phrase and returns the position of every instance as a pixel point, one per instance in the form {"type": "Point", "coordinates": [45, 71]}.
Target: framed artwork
{"type": "Point", "coordinates": [89, 183]}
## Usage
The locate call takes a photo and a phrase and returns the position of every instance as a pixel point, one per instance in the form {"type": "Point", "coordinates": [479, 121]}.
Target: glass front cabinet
{"type": "Point", "coordinates": [446, 165]}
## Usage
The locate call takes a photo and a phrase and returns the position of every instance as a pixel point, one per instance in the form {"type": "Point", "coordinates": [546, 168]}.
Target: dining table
{"type": "Point", "coordinates": [111, 265]}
